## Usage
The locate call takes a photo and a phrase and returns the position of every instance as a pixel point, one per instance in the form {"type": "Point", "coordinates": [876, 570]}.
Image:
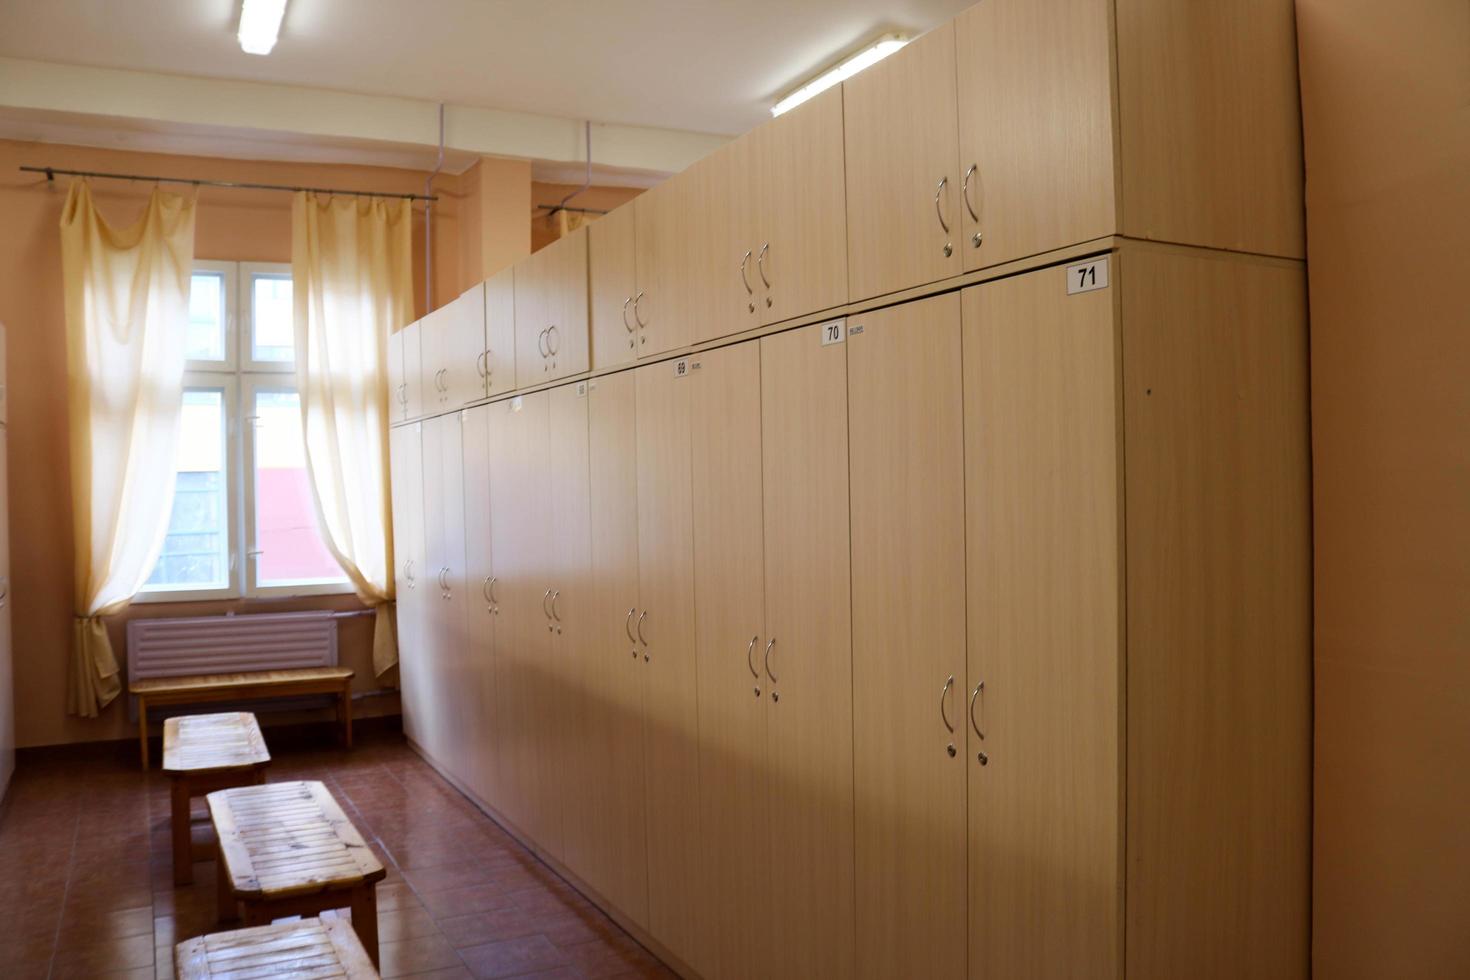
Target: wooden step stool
{"type": "Point", "coordinates": [288, 849]}
{"type": "Point", "coordinates": [308, 948]}
{"type": "Point", "coordinates": [201, 754]}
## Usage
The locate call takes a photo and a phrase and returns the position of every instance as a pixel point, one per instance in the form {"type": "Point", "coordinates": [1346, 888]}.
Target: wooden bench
{"type": "Point", "coordinates": [287, 849]}
{"type": "Point", "coordinates": [201, 754]}
{"type": "Point", "coordinates": [308, 948]}
{"type": "Point", "coordinates": [253, 686]}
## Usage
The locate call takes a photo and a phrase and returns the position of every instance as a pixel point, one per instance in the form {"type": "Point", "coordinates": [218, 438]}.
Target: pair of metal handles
{"type": "Point", "coordinates": [553, 595]}
{"type": "Point", "coordinates": [488, 589]}
{"type": "Point", "coordinates": [944, 715]}
{"type": "Point", "coordinates": [760, 266]}
{"type": "Point", "coordinates": [439, 384]}
{"type": "Point", "coordinates": [444, 592]}
{"type": "Point", "coordinates": [766, 659]}
{"type": "Point", "coordinates": [413, 583]}
{"type": "Point", "coordinates": [964, 196]}
{"type": "Point", "coordinates": [544, 342]}
{"type": "Point", "coordinates": [635, 302]}
{"type": "Point", "coordinates": [483, 366]}
{"type": "Point", "coordinates": [403, 394]}
{"type": "Point", "coordinates": [628, 626]}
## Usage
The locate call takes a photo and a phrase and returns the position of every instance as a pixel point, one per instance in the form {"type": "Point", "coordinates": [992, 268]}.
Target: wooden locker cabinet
{"type": "Point", "coordinates": [406, 462]}
{"type": "Point", "coordinates": [808, 657]}
{"type": "Point", "coordinates": [497, 364]}
{"type": "Point", "coordinates": [551, 312]}
{"type": "Point", "coordinates": [397, 387]}
{"type": "Point", "coordinates": [613, 286]}
{"type": "Point", "coordinates": [800, 261]}
{"type": "Point", "coordinates": [906, 429]}
{"type": "Point", "coordinates": [729, 602]}
{"type": "Point", "coordinates": [461, 347]}
{"type": "Point", "coordinates": [479, 732]}
{"type": "Point", "coordinates": [410, 395]}
{"type": "Point", "coordinates": [725, 187]}
{"type": "Point", "coordinates": [1044, 619]}
{"type": "Point", "coordinates": [666, 220]}
{"type": "Point", "coordinates": [664, 628]}
{"type": "Point", "coordinates": [519, 529]}
{"type": "Point", "coordinates": [903, 174]}
{"type": "Point", "coordinates": [444, 639]}
{"type": "Point", "coordinates": [1035, 127]}
{"type": "Point", "coordinates": [607, 836]}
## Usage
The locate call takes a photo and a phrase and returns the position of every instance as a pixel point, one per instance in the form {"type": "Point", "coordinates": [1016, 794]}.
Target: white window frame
{"type": "Point", "coordinates": [249, 272]}
{"type": "Point", "coordinates": [239, 376]}
{"type": "Point", "coordinates": [230, 271]}
{"type": "Point", "coordinates": [226, 384]}
{"type": "Point", "coordinates": [253, 385]}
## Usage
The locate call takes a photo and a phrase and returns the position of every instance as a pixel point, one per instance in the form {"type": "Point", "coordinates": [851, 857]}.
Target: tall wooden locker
{"type": "Point", "coordinates": [607, 835]}
{"type": "Point", "coordinates": [410, 573]}
{"type": "Point", "coordinates": [808, 653]}
{"type": "Point", "coordinates": [481, 600]}
{"type": "Point", "coordinates": [664, 628]}
{"type": "Point", "coordinates": [906, 435]}
{"type": "Point", "coordinates": [568, 541]}
{"type": "Point", "coordinates": [444, 617]}
{"type": "Point", "coordinates": [7, 685]}
{"type": "Point", "coordinates": [1044, 622]}
{"type": "Point", "coordinates": [519, 532]}
{"type": "Point", "coordinates": [729, 603]}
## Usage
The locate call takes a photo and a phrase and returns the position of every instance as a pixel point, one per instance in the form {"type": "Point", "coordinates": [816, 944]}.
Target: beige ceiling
{"type": "Point", "coordinates": [694, 65]}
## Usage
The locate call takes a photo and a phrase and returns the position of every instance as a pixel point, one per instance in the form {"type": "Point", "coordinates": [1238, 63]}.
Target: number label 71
{"type": "Point", "coordinates": [1088, 276]}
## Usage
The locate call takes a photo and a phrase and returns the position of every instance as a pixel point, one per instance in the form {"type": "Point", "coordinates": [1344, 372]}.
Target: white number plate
{"type": "Point", "coordinates": [1088, 276]}
{"type": "Point", "coordinates": [834, 332]}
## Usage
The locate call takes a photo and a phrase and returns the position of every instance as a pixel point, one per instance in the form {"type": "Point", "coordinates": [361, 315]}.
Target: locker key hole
{"type": "Point", "coordinates": [951, 750]}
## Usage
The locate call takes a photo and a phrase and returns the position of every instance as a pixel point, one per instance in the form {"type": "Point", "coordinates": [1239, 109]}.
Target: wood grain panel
{"type": "Point", "coordinates": [1211, 124]}
{"type": "Point", "coordinates": [1044, 580]}
{"type": "Point", "coordinates": [808, 616]}
{"type": "Point", "coordinates": [1036, 122]}
{"type": "Point", "coordinates": [1219, 614]}
{"type": "Point", "coordinates": [906, 435]}
{"type": "Point", "coordinates": [613, 286]}
{"type": "Point", "coordinates": [729, 598]}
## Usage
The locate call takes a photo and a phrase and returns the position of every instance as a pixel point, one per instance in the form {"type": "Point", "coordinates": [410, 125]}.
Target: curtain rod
{"type": "Point", "coordinates": [553, 208]}
{"type": "Point", "coordinates": [51, 173]}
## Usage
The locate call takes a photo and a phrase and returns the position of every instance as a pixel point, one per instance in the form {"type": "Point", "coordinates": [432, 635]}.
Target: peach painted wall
{"type": "Point", "coordinates": [231, 224]}
{"type": "Point", "coordinates": [1386, 118]}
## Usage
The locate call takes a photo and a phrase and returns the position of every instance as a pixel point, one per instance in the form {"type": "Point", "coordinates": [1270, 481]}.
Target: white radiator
{"type": "Point", "coordinates": [230, 644]}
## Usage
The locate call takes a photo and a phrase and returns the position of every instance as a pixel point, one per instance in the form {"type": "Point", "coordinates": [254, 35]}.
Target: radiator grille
{"type": "Point", "coordinates": [229, 644]}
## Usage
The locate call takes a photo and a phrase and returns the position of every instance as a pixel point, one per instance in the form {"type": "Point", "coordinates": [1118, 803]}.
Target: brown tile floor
{"type": "Point", "coordinates": [86, 887]}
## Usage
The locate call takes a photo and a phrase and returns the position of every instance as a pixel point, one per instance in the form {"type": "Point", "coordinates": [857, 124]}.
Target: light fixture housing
{"type": "Point", "coordinates": [260, 25]}
{"type": "Point", "coordinates": [871, 55]}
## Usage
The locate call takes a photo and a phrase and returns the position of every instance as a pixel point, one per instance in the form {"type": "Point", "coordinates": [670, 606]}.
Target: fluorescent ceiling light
{"type": "Point", "coordinates": [879, 50]}
{"type": "Point", "coordinates": [260, 25]}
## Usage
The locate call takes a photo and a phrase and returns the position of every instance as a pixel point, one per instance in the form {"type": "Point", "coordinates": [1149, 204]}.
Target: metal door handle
{"type": "Point", "coordinates": [551, 332]}
{"type": "Point", "coordinates": [628, 625]}
{"type": "Point", "coordinates": [973, 724]}
{"type": "Point", "coordinates": [554, 614]}
{"type": "Point", "coordinates": [486, 590]}
{"type": "Point", "coordinates": [408, 573]}
{"type": "Point", "coordinates": [641, 617]}
{"type": "Point", "coordinates": [748, 651]}
{"type": "Point", "coordinates": [770, 643]}
{"type": "Point", "coordinates": [745, 261]}
{"type": "Point", "coordinates": [937, 210]}
{"type": "Point", "coordinates": [760, 264]}
{"type": "Point", "coordinates": [541, 343]}
{"type": "Point", "coordinates": [403, 394]}
{"type": "Point", "coordinates": [626, 325]}
{"type": "Point", "coordinates": [491, 586]}
{"type": "Point", "coordinates": [943, 696]}
{"type": "Point", "coordinates": [480, 363]}
{"type": "Point", "coordinates": [544, 611]}
{"type": "Point", "coordinates": [638, 309]}
{"type": "Point", "coordinates": [965, 192]}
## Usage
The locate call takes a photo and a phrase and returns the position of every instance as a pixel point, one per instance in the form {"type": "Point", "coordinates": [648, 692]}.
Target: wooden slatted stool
{"type": "Point", "coordinates": [201, 754]}
{"type": "Point", "coordinates": [288, 849]}
{"type": "Point", "coordinates": [307, 948]}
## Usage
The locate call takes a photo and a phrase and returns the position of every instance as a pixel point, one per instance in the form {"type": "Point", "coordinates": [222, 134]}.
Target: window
{"type": "Point", "coordinates": [241, 464]}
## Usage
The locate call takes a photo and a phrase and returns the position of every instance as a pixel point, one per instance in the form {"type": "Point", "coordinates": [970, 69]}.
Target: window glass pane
{"type": "Point", "coordinates": [272, 337]}
{"type": "Point", "coordinates": [196, 550]}
{"type": "Point", "coordinates": [291, 550]}
{"type": "Point", "coordinates": [205, 339]}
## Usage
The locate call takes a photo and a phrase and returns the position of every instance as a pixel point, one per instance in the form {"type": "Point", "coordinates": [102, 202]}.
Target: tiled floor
{"type": "Point", "coordinates": [86, 887]}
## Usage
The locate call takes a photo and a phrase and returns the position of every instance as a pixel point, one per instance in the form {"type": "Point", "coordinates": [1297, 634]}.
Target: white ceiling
{"type": "Point", "coordinates": [696, 65]}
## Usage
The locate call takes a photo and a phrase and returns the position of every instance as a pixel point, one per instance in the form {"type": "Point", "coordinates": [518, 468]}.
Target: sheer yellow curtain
{"type": "Point", "coordinates": [351, 264]}
{"type": "Point", "coordinates": [127, 309]}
